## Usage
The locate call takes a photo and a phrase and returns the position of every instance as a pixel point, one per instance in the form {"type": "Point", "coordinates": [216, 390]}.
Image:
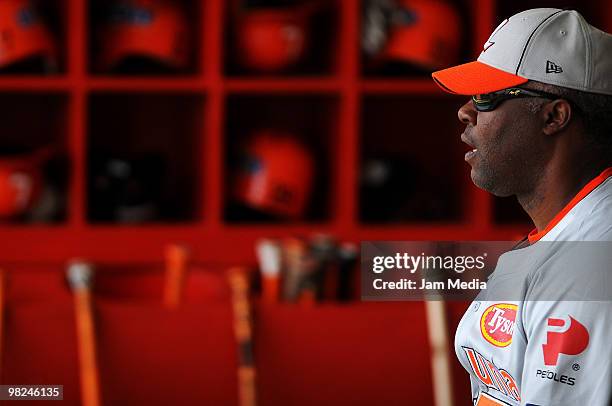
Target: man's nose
{"type": "Point", "coordinates": [467, 113]}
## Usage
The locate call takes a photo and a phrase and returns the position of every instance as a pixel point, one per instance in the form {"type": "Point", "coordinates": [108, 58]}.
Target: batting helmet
{"type": "Point", "coordinates": [425, 33]}
{"type": "Point", "coordinates": [155, 29]}
{"type": "Point", "coordinates": [276, 174]}
{"type": "Point", "coordinates": [23, 34]}
{"type": "Point", "coordinates": [272, 40]}
{"type": "Point", "coordinates": [20, 185]}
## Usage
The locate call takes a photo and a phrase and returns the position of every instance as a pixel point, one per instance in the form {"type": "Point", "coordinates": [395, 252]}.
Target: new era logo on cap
{"type": "Point", "coordinates": [552, 67]}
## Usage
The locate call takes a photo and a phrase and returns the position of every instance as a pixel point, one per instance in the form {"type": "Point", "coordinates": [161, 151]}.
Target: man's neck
{"type": "Point", "coordinates": [553, 191]}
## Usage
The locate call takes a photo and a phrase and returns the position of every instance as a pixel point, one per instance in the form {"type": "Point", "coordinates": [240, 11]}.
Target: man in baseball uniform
{"type": "Point", "coordinates": [539, 126]}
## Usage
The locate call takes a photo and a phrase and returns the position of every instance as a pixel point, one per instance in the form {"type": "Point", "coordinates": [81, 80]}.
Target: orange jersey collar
{"type": "Point", "coordinates": [534, 235]}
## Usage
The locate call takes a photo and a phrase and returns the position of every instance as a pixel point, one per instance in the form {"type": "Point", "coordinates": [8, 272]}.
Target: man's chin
{"type": "Point", "coordinates": [488, 184]}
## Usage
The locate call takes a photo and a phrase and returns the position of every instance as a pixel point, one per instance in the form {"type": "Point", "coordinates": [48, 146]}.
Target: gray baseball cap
{"type": "Point", "coordinates": [548, 45]}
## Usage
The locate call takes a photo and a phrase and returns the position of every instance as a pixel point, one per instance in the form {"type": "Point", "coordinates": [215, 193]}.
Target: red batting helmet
{"type": "Point", "coordinates": [272, 40]}
{"type": "Point", "coordinates": [425, 33]}
{"type": "Point", "coordinates": [20, 186]}
{"type": "Point", "coordinates": [23, 33]}
{"type": "Point", "coordinates": [276, 175]}
{"type": "Point", "coordinates": [155, 29]}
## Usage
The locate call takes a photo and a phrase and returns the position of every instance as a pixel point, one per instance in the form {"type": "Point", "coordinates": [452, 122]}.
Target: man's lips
{"type": "Point", "coordinates": [467, 140]}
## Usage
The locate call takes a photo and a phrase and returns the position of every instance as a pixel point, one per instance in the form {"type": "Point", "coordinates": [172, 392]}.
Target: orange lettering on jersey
{"type": "Point", "coordinates": [486, 400]}
{"type": "Point", "coordinates": [482, 374]}
{"type": "Point", "coordinates": [492, 376]}
{"type": "Point", "coordinates": [499, 380]}
{"type": "Point", "coordinates": [514, 390]}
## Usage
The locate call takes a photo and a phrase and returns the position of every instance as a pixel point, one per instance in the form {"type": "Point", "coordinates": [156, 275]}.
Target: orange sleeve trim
{"type": "Point", "coordinates": [534, 235]}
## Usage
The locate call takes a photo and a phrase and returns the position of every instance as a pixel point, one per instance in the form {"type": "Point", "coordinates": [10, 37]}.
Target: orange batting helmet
{"type": "Point", "coordinates": [272, 39]}
{"type": "Point", "coordinates": [23, 35]}
{"type": "Point", "coordinates": [155, 29]}
{"type": "Point", "coordinates": [425, 33]}
{"type": "Point", "coordinates": [20, 186]}
{"type": "Point", "coordinates": [276, 175]}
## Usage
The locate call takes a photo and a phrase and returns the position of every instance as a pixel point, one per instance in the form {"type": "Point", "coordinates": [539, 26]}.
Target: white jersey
{"type": "Point", "coordinates": [548, 345]}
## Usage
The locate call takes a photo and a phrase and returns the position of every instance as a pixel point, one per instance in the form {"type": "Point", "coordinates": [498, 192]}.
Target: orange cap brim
{"type": "Point", "coordinates": [475, 78]}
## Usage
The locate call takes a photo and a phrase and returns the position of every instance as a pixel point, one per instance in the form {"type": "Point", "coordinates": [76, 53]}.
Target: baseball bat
{"type": "Point", "coordinates": [325, 274]}
{"type": "Point", "coordinates": [440, 355]}
{"type": "Point", "coordinates": [269, 255]}
{"type": "Point", "coordinates": [347, 255]}
{"type": "Point", "coordinates": [298, 269]}
{"type": "Point", "coordinates": [177, 258]}
{"type": "Point", "coordinates": [239, 285]}
{"type": "Point", "coordinates": [80, 277]}
{"type": "Point", "coordinates": [2, 306]}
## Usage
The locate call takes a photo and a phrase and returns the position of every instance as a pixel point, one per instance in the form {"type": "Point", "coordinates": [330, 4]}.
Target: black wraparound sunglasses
{"type": "Point", "coordinates": [490, 101]}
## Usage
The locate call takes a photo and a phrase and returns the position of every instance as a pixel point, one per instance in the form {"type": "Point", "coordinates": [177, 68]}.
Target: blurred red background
{"type": "Point", "coordinates": [145, 151]}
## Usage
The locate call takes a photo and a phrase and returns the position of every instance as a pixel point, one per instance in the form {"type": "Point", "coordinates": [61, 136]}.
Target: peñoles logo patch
{"type": "Point", "coordinates": [571, 340]}
{"type": "Point", "coordinates": [497, 324]}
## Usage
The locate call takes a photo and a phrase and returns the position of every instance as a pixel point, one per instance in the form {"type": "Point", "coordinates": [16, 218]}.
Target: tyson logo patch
{"type": "Point", "coordinates": [497, 324]}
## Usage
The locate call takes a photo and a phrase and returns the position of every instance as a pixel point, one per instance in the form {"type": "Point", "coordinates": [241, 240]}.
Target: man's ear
{"type": "Point", "coordinates": [556, 116]}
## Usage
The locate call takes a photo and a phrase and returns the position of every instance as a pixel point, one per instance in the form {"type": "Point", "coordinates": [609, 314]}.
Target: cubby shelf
{"type": "Point", "coordinates": [211, 101]}
{"type": "Point", "coordinates": [35, 84]}
{"type": "Point", "coordinates": [283, 85]}
{"type": "Point", "coordinates": [186, 85]}
{"type": "Point", "coordinates": [210, 244]}
{"type": "Point", "coordinates": [399, 86]}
